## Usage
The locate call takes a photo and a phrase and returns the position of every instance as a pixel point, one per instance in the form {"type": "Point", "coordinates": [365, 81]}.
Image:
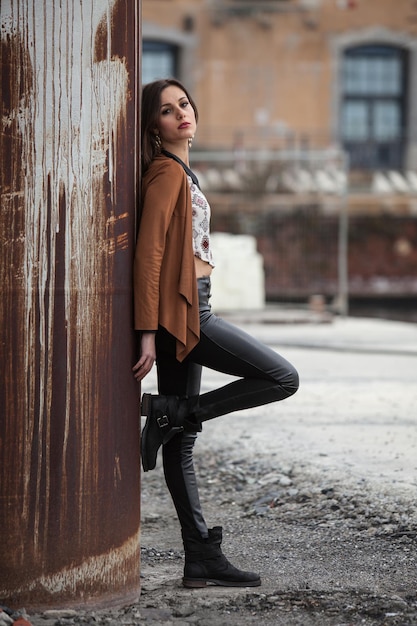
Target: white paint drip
{"type": "Point", "coordinates": [103, 569]}
{"type": "Point", "coordinates": [68, 124]}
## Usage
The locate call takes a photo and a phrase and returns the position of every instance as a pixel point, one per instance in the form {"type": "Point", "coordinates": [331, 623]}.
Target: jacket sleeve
{"type": "Point", "coordinates": [161, 188]}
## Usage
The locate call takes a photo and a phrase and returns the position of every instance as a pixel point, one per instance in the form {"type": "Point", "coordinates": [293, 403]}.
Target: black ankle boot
{"type": "Point", "coordinates": [206, 564]}
{"type": "Point", "coordinates": [166, 416]}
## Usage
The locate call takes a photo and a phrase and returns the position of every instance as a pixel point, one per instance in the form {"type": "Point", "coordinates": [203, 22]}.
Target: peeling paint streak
{"type": "Point", "coordinates": [92, 108]}
{"type": "Point", "coordinates": [103, 569]}
{"type": "Point", "coordinates": [66, 229]}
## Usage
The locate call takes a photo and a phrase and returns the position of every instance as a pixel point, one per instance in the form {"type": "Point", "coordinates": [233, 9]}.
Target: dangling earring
{"type": "Point", "coordinates": [190, 141]}
{"type": "Point", "coordinates": [158, 141]}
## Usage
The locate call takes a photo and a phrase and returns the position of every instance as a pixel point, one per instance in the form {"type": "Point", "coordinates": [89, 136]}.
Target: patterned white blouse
{"type": "Point", "coordinates": [201, 223]}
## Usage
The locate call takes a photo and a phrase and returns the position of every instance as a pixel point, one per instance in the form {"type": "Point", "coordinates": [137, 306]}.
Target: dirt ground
{"type": "Point", "coordinates": [317, 494]}
{"type": "Point", "coordinates": [328, 555]}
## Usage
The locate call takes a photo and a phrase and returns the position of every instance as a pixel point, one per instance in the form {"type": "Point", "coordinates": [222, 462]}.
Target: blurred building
{"type": "Point", "coordinates": [308, 109]}
{"type": "Point", "coordinates": [294, 72]}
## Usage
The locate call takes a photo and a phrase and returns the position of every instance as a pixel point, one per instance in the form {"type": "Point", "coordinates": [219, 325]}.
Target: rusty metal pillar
{"type": "Point", "coordinates": [69, 428]}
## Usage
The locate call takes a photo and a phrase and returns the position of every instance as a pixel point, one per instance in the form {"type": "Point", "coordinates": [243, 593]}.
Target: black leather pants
{"type": "Point", "coordinates": [263, 377]}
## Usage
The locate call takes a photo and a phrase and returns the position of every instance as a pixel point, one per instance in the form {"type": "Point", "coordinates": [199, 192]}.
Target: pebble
{"type": "Point", "coordinates": [60, 613]}
{"type": "Point", "coordinates": [273, 477]}
{"type": "Point", "coordinates": [5, 620]}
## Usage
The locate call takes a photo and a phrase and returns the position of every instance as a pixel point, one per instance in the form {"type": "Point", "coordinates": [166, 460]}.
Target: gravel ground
{"type": "Point", "coordinates": [317, 494]}
{"type": "Point", "coordinates": [329, 555]}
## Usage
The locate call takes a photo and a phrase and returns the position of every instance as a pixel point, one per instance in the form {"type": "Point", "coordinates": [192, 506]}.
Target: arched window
{"type": "Point", "coordinates": [374, 116]}
{"type": "Point", "coordinates": [159, 60]}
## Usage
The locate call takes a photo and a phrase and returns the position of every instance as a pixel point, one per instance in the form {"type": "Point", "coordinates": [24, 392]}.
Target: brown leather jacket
{"type": "Point", "coordinates": [165, 284]}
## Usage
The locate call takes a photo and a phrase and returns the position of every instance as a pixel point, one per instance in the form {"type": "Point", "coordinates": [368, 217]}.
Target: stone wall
{"type": "Point", "coordinates": [238, 279]}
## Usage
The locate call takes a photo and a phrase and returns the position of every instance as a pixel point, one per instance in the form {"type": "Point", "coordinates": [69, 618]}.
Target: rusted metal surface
{"type": "Point", "coordinates": [69, 429]}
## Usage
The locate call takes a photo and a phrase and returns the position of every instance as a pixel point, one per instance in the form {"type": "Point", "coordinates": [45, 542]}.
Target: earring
{"type": "Point", "coordinates": [158, 141]}
{"type": "Point", "coordinates": [190, 141]}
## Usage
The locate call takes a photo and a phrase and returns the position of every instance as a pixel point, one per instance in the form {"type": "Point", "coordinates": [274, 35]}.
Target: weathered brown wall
{"type": "Point", "coordinates": [299, 244]}
{"type": "Point", "coordinates": [69, 430]}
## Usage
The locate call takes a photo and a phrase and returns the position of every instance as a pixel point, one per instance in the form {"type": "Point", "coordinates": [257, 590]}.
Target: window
{"type": "Point", "coordinates": [159, 60]}
{"type": "Point", "coordinates": [373, 121]}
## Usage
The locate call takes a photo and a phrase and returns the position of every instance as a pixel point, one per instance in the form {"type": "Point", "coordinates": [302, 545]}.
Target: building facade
{"type": "Point", "coordinates": [309, 73]}
{"type": "Point", "coordinates": [308, 112]}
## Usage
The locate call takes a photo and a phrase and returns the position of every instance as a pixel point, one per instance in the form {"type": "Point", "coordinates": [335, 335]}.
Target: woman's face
{"type": "Point", "coordinates": [176, 120]}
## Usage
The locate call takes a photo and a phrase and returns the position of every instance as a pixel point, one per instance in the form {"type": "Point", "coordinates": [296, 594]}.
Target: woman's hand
{"type": "Point", "coordinates": [147, 356]}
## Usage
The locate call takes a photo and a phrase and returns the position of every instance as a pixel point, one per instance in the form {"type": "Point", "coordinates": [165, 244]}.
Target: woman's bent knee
{"type": "Point", "coordinates": [291, 381]}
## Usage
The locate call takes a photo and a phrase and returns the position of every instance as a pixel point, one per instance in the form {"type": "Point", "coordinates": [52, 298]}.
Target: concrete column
{"type": "Point", "coordinates": [69, 428]}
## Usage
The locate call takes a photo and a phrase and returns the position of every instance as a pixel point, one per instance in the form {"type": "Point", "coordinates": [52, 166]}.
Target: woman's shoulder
{"type": "Point", "coordinates": [163, 165]}
{"type": "Point", "coordinates": [165, 176]}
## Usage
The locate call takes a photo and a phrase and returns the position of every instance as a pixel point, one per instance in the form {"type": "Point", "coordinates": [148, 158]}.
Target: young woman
{"type": "Point", "coordinates": [173, 263]}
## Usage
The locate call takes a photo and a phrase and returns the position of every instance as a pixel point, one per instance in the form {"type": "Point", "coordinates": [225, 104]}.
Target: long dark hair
{"type": "Point", "coordinates": [151, 103]}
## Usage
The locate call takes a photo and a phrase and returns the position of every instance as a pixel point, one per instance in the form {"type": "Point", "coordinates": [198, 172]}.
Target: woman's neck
{"type": "Point", "coordinates": [182, 152]}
